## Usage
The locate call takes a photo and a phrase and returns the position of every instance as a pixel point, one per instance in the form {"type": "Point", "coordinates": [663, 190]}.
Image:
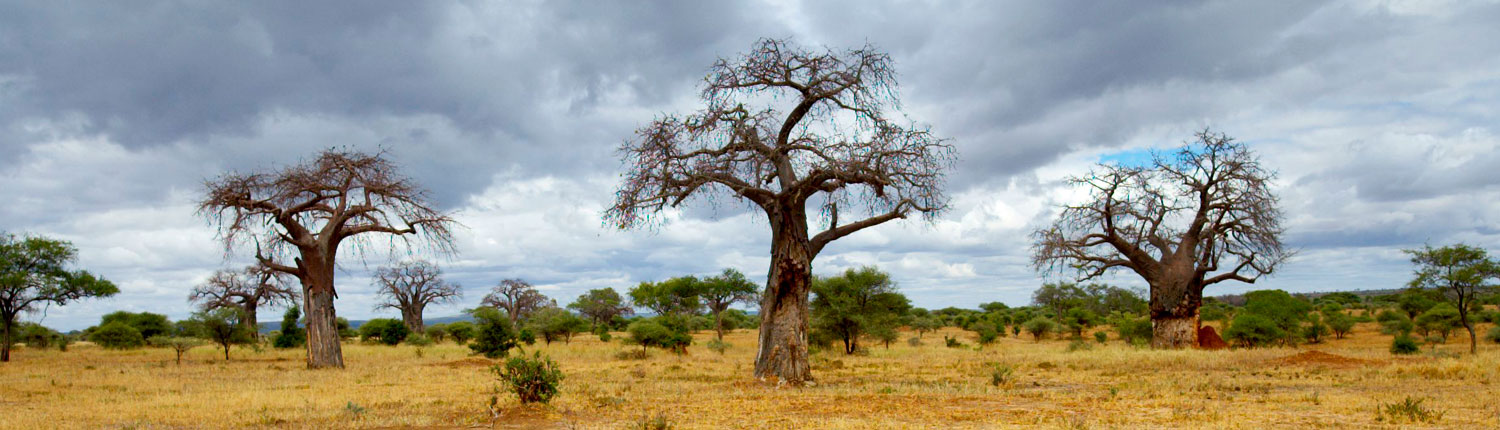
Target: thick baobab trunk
{"type": "Point", "coordinates": [247, 319]}
{"type": "Point", "coordinates": [323, 348]}
{"type": "Point", "coordinates": [1174, 314]}
{"type": "Point", "coordinates": [784, 314]}
{"type": "Point", "coordinates": [412, 317]}
{"type": "Point", "coordinates": [6, 338]}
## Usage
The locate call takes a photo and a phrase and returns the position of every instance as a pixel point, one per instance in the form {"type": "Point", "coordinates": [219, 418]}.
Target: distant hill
{"type": "Point", "coordinates": [270, 326]}
{"type": "Point", "coordinates": [1239, 299]}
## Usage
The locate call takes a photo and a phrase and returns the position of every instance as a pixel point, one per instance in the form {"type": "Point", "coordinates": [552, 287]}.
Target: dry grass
{"type": "Point", "coordinates": [1348, 384]}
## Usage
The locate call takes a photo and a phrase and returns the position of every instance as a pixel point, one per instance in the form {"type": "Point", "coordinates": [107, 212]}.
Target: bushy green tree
{"type": "Point", "coordinates": [437, 332]}
{"type": "Point", "coordinates": [494, 335]}
{"type": "Point", "coordinates": [1079, 319]}
{"type": "Point", "coordinates": [1133, 329]}
{"type": "Point", "coordinates": [854, 304]}
{"type": "Point", "coordinates": [721, 291]}
{"type": "Point", "coordinates": [1254, 330]}
{"type": "Point", "coordinates": [601, 306]}
{"type": "Point", "coordinates": [1340, 324]}
{"type": "Point", "coordinates": [554, 324]}
{"type": "Point", "coordinates": [117, 335]}
{"type": "Point", "coordinates": [33, 272]}
{"type": "Point", "coordinates": [221, 326]}
{"type": "Point", "coordinates": [291, 336]}
{"type": "Point", "coordinates": [534, 380]}
{"type": "Point", "coordinates": [1282, 309]}
{"type": "Point", "coordinates": [1394, 323]}
{"type": "Point", "coordinates": [1404, 345]}
{"type": "Point", "coordinates": [461, 331]}
{"type": "Point", "coordinates": [678, 295]}
{"type": "Point", "coordinates": [1040, 326]}
{"type": "Point", "coordinates": [1315, 330]}
{"type": "Point", "coordinates": [1459, 274]}
{"type": "Point", "coordinates": [1440, 320]}
{"type": "Point", "coordinates": [37, 336]}
{"type": "Point", "coordinates": [149, 324]}
{"type": "Point", "coordinates": [389, 331]}
{"type": "Point", "coordinates": [650, 333]}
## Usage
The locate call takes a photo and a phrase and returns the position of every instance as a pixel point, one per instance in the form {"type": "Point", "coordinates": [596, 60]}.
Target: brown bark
{"type": "Point", "coordinates": [784, 312]}
{"type": "Point", "coordinates": [5, 348]}
{"type": "Point", "coordinates": [412, 317]}
{"type": "Point", "coordinates": [323, 347]}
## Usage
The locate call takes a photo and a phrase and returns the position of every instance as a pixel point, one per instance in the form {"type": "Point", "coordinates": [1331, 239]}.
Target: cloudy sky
{"type": "Point", "coordinates": [1381, 118]}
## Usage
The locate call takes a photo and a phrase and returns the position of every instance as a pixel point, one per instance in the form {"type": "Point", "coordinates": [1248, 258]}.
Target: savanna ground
{"type": "Point", "coordinates": [1345, 384]}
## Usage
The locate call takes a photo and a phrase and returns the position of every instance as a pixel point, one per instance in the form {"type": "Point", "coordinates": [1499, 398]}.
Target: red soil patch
{"type": "Point", "coordinates": [1209, 339]}
{"type": "Point", "coordinates": [467, 362]}
{"type": "Point", "coordinates": [1314, 358]}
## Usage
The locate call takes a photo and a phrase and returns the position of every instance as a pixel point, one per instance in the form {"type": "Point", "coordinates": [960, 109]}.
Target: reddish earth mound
{"type": "Point", "coordinates": [1312, 358]}
{"type": "Point", "coordinates": [467, 362]}
{"type": "Point", "coordinates": [1209, 339]}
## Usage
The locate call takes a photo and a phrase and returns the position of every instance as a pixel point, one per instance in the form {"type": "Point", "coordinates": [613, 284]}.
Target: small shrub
{"type": "Point", "coordinates": [534, 380]}
{"type": "Point", "coordinates": [1079, 345]}
{"type": "Point", "coordinates": [987, 335]}
{"type": "Point", "coordinates": [1000, 374]}
{"type": "Point", "coordinates": [1040, 326]}
{"type": "Point", "coordinates": [1494, 335]}
{"type": "Point", "coordinates": [493, 334]}
{"type": "Point", "coordinates": [656, 422]}
{"type": "Point", "coordinates": [647, 333]}
{"type": "Point", "coordinates": [419, 340]}
{"type": "Point", "coordinates": [604, 336]}
{"type": "Point", "coordinates": [917, 341]}
{"type": "Point", "coordinates": [1411, 410]}
{"type": "Point", "coordinates": [1404, 345]}
{"type": "Point", "coordinates": [1132, 329]}
{"type": "Point", "coordinates": [632, 354]}
{"type": "Point", "coordinates": [388, 331]}
{"type": "Point", "coordinates": [460, 331]}
{"type": "Point", "coordinates": [437, 332]}
{"type": "Point", "coordinates": [952, 342]}
{"type": "Point", "coordinates": [1101, 337]}
{"type": "Point", "coordinates": [718, 346]}
{"type": "Point", "coordinates": [1253, 330]}
{"type": "Point", "coordinates": [290, 336]}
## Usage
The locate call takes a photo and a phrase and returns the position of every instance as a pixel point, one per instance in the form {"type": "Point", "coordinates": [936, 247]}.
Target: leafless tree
{"type": "Point", "coordinates": [410, 286]}
{"type": "Point", "coordinates": [246, 290]}
{"type": "Point", "coordinates": [785, 127]}
{"type": "Point", "coordinates": [1202, 215]}
{"type": "Point", "coordinates": [297, 218]}
{"type": "Point", "coordinates": [518, 298]}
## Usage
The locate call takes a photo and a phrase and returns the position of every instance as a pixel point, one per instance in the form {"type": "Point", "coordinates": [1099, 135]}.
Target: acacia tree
{"type": "Point", "coordinates": [720, 292]}
{"type": "Point", "coordinates": [834, 142]}
{"type": "Point", "coordinates": [246, 290]}
{"type": "Point", "coordinates": [857, 303]}
{"type": "Point", "coordinates": [298, 217]}
{"type": "Point", "coordinates": [601, 306]}
{"type": "Point", "coordinates": [517, 297]}
{"type": "Point", "coordinates": [1459, 272]}
{"type": "Point", "coordinates": [410, 286]}
{"type": "Point", "coordinates": [33, 271]}
{"type": "Point", "coordinates": [675, 296]}
{"type": "Point", "coordinates": [1203, 215]}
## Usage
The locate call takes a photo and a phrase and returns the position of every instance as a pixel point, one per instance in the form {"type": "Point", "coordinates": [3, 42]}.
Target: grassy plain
{"type": "Point", "coordinates": [1348, 383]}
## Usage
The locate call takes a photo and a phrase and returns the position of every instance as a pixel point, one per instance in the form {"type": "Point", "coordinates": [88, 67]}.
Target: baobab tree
{"type": "Point", "coordinates": [298, 217]}
{"type": "Point", "coordinates": [246, 290]}
{"type": "Point", "coordinates": [518, 298]}
{"type": "Point", "coordinates": [783, 128]}
{"type": "Point", "coordinates": [410, 286]}
{"type": "Point", "coordinates": [1202, 215]}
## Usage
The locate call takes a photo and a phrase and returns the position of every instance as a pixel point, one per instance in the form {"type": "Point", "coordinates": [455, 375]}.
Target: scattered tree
{"type": "Point", "coordinates": [33, 272]}
{"type": "Point", "coordinates": [222, 326]}
{"type": "Point", "coordinates": [299, 217]}
{"type": "Point", "coordinates": [1040, 326]}
{"type": "Point", "coordinates": [554, 323]}
{"type": "Point", "coordinates": [601, 306]}
{"type": "Point", "coordinates": [675, 296]}
{"type": "Point", "coordinates": [410, 287]}
{"type": "Point", "coordinates": [494, 333]}
{"type": "Point", "coordinates": [461, 331]}
{"type": "Point", "coordinates": [1204, 216]}
{"type": "Point", "coordinates": [1459, 272]}
{"type": "Point", "coordinates": [179, 344]}
{"type": "Point", "coordinates": [780, 160]}
{"type": "Point", "coordinates": [388, 331]}
{"type": "Point", "coordinates": [291, 335]}
{"type": "Point", "coordinates": [649, 333]}
{"type": "Point", "coordinates": [246, 290]}
{"type": "Point", "coordinates": [720, 292]}
{"type": "Point", "coordinates": [116, 335]}
{"type": "Point", "coordinates": [517, 298]}
{"type": "Point", "coordinates": [856, 303]}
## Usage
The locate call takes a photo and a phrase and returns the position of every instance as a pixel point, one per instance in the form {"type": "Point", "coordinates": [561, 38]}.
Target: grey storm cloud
{"type": "Point", "coordinates": [1380, 117]}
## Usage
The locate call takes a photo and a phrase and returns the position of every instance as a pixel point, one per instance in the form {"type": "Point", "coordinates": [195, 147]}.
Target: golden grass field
{"type": "Point", "coordinates": [929, 386]}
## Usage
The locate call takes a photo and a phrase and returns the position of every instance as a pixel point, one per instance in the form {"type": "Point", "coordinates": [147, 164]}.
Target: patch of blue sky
{"type": "Point", "coordinates": [1139, 157]}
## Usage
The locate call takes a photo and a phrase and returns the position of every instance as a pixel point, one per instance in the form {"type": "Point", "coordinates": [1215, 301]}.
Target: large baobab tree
{"type": "Point", "coordinates": [33, 272]}
{"type": "Point", "coordinates": [246, 290]}
{"type": "Point", "coordinates": [518, 298]}
{"type": "Point", "coordinates": [784, 128]}
{"type": "Point", "coordinates": [1201, 215]}
{"type": "Point", "coordinates": [410, 286]}
{"type": "Point", "coordinates": [298, 217]}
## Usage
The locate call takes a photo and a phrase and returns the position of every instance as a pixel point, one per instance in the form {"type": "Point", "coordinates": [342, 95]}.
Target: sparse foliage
{"type": "Point", "coordinates": [1202, 215]}
{"type": "Point", "coordinates": [247, 289]}
{"type": "Point", "coordinates": [517, 298]}
{"type": "Point", "coordinates": [838, 146]}
{"type": "Point", "coordinates": [534, 380]}
{"type": "Point", "coordinates": [410, 287]}
{"type": "Point", "coordinates": [298, 218]}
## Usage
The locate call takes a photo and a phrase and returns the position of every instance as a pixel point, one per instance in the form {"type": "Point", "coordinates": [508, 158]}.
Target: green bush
{"type": "Point", "coordinates": [1441, 320]}
{"type": "Point", "coordinates": [534, 380]}
{"type": "Point", "coordinates": [419, 340]}
{"type": "Point", "coordinates": [1132, 329]}
{"type": "Point", "coordinates": [1341, 324]}
{"type": "Point", "coordinates": [987, 335]}
{"type": "Point", "coordinates": [1079, 345]}
{"type": "Point", "coordinates": [1404, 345]}
{"type": "Point", "coordinates": [460, 331]}
{"type": "Point", "coordinates": [117, 335]}
{"type": "Point", "coordinates": [388, 331]}
{"type": "Point", "coordinates": [1101, 337]}
{"type": "Point", "coordinates": [1315, 330]}
{"type": "Point", "coordinates": [718, 346]}
{"type": "Point", "coordinates": [1040, 326]}
{"type": "Point", "coordinates": [604, 336]}
{"type": "Point", "coordinates": [1494, 335]}
{"type": "Point", "coordinates": [952, 342]}
{"type": "Point", "coordinates": [493, 334]}
{"type": "Point", "coordinates": [436, 332]}
{"type": "Point", "coordinates": [1253, 330]}
{"type": "Point", "coordinates": [37, 336]}
{"type": "Point", "coordinates": [290, 336]}
{"type": "Point", "coordinates": [649, 333]}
